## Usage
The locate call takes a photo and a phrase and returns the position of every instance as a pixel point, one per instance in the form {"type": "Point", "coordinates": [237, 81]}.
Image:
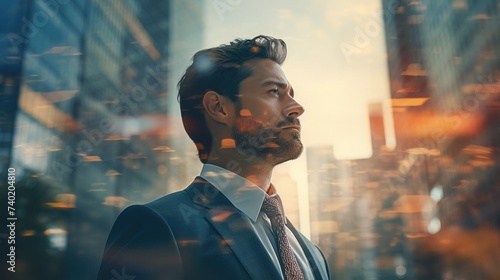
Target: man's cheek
{"type": "Point", "coordinates": [247, 124]}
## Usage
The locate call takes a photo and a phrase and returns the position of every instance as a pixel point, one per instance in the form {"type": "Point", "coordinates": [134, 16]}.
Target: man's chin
{"type": "Point", "coordinates": [291, 152]}
{"type": "Point", "coordinates": [274, 148]}
{"type": "Point", "coordinates": [298, 152]}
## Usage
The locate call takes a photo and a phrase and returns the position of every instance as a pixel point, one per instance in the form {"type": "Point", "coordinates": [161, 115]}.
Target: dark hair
{"type": "Point", "coordinates": [220, 69]}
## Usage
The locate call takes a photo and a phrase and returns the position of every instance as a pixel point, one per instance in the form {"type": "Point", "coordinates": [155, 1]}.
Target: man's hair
{"type": "Point", "coordinates": [220, 69]}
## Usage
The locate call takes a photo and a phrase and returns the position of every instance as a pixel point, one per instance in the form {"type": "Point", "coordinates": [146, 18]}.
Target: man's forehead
{"type": "Point", "coordinates": [266, 72]}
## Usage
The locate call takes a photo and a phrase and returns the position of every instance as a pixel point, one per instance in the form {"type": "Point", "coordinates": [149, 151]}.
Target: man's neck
{"type": "Point", "coordinates": [257, 173]}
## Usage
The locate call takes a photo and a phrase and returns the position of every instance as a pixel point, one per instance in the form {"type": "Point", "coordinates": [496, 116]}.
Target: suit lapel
{"type": "Point", "coordinates": [235, 229]}
{"type": "Point", "coordinates": [314, 262]}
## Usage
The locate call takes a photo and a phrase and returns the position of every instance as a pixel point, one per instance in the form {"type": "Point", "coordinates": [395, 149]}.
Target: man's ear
{"type": "Point", "coordinates": [217, 107]}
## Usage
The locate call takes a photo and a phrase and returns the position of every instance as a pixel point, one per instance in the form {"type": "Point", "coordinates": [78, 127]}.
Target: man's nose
{"type": "Point", "coordinates": [294, 109]}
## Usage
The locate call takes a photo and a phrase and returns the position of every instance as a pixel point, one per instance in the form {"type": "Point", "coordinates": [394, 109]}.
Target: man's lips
{"type": "Point", "coordinates": [295, 123]}
{"type": "Point", "coordinates": [291, 126]}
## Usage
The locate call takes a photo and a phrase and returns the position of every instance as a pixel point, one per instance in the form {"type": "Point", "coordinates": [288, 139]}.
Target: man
{"type": "Point", "coordinates": [239, 109]}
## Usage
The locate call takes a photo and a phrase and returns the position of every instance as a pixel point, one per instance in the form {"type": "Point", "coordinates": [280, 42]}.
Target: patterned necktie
{"type": "Point", "coordinates": [272, 208]}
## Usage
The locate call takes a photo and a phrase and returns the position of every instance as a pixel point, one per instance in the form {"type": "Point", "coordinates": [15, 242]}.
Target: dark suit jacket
{"type": "Point", "coordinates": [195, 233]}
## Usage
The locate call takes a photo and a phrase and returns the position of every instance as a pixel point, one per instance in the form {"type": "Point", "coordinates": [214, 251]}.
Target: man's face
{"type": "Point", "coordinates": [266, 124]}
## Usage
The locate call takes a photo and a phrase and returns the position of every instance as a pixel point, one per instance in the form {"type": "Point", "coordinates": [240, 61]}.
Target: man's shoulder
{"type": "Point", "coordinates": [169, 200]}
{"type": "Point", "coordinates": [166, 210]}
{"type": "Point", "coordinates": [182, 196]}
{"type": "Point", "coordinates": [159, 207]}
{"type": "Point", "coordinates": [172, 203]}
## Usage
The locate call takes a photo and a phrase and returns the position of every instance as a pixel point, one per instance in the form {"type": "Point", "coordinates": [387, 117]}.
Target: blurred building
{"type": "Point", "coordinates": [354, 216]}
{"type": "Point", "coordinates": [87, 86]}
{"type": "Point", "coordinates": [444, 65]}
{"type": "Point", "coordinates": [398, 214]}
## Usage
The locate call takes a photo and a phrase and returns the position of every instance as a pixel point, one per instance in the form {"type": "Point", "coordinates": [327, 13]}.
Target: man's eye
{"type": "Point", "coordinates": [274, 91]}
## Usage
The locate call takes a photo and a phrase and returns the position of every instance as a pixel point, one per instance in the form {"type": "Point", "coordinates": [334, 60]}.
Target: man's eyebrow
{"type": "Point", "coordinates": [274, 82]}
{"type": "Point", "coordinates": [279, 84]}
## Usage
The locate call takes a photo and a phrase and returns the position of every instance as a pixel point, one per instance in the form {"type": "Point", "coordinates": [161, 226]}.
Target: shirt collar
{"type": "Point", "coordinates": [243, 194]}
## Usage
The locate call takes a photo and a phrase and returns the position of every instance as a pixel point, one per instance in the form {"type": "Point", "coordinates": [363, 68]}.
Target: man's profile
{"type": "Point", "coordinates": [239, 109]}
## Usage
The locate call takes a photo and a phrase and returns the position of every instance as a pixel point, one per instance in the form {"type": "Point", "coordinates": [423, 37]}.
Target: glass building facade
{"type": "Point", "coordinates": [89, 121]}
{"type": "Point", "coordinates": [85, 124]}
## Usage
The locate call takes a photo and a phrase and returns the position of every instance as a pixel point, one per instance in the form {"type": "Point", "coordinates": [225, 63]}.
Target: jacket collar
{"type": "Point", "coordinates": [243, 194]}
{"type": "Point", "coordinates": [314, 259]}
{"type": "Point", "coordinates": [234, 227]}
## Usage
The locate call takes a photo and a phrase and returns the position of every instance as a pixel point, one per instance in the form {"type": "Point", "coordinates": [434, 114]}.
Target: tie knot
{"type": "Point", "coordinates": [271, 206]}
